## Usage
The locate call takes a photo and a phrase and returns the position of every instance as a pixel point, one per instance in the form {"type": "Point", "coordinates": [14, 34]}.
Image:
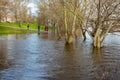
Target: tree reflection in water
{"type": "Point", "coordinates": [3, 55]}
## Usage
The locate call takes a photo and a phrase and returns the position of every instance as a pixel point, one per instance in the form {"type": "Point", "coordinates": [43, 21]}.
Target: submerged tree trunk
{"type": "Point", "coordinates": [105, 34]}
{"type": "Point", "coordinates": [68, 35]}
{"type": "Point", "coordinates": [99, 37]}
{"type": "Point", "coordinates": [77, 33]}
{"type": "Point", "coordinates": [84, 34]}
{"type": "Point", "coordinates": [96, 40]}
{"type": "Point", "coordinates": [65, 23]}
{"type": "Point", "coordinates": [73, 26]}
{"type": "Point", "coordinates": [58, 31]}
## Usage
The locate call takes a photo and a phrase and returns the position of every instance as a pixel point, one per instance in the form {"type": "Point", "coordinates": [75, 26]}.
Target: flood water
{"type": "Point", "coordinates": [43, 57]}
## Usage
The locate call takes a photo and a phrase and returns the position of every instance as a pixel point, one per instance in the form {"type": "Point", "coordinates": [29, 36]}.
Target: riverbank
{"type": "Point", "coordinates": [13, 28]}
{"type": "Point", "coordinates": [8, 30]}
{"type": "Point", "coordinates": [31, 26]}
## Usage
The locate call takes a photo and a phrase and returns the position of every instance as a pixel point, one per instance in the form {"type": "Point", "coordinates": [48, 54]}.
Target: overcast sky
{"type": "Point", "coordinates": [33, 7]}
{"type": "Point", "coordinates": [34, 1]}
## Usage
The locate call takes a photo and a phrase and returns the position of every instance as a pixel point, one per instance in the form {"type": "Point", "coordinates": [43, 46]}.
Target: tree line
{"type": "Point", "coordinates": [16, 10]}
{"type": "Point", "coordinates": [95, 17]}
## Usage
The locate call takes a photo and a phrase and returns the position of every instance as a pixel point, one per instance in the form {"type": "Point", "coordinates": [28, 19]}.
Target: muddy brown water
{"type": "Point", "coordinates": [42, 57]}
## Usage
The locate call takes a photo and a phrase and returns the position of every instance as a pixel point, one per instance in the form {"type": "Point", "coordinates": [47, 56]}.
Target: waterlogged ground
{"type": "Point", "coordinates": [42, 57]}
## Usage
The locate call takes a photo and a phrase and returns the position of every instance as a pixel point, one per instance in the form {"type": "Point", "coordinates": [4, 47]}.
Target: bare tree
{"type": "Point", "coordinates": [18, 9]}
{"type": "Point", "coordinates": [101, 21]}
{"type": "Point", "coordinates": [4, 5]}
{"type": "Point", "coordinates": [97, 17]}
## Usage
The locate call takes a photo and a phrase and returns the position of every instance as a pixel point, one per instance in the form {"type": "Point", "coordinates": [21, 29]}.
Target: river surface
{"type": "Point", "coordinates": [43, 57]}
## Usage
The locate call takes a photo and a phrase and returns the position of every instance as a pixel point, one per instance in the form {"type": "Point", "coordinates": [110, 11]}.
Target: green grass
{"type": "Point", "coordinates": [5, 30]}
{"type": "Point", "coordinates": [10, 28]}
{"type": "Point", "coordinates": [23, 25]}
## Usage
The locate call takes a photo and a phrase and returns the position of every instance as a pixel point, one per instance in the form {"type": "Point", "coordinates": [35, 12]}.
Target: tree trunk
{"type": "Point", "coordinates": [72, 33]}
{"type": "Point", "coordinates": [68, 36]}
{"type": "Point", "coordinates": [100, 37]}
{"type": "Point", "coordinates": [0, 18]}
{"type": "Point", "coordinates": [105, 34]}
{"type": "Point", "coordinates": [97, 42]}
{"type": "Point", "coordinates": [58, 32]}
{"type": "Point", "coordinates": [84, 33]}
{"type": "Point", "coordinates": [69, 39]}
{"type": "Point", "coordinates": [19, 23]}
{"type": "Point", "coordinates": [73, 26]}
{"type": "Point", "coordinates": [16, 17]}
{"type": "Point", "coordinates": [77, 33]}
{"type": "Point", "coordinates": [65, 23]}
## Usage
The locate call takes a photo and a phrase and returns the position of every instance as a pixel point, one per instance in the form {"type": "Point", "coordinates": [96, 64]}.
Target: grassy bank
{"type": "Point", "coordinates": [14, 28]}
{"type": "Point", "coordinates": [23, 26]}
{"type": "Point", "coordinates": [7, 30]}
